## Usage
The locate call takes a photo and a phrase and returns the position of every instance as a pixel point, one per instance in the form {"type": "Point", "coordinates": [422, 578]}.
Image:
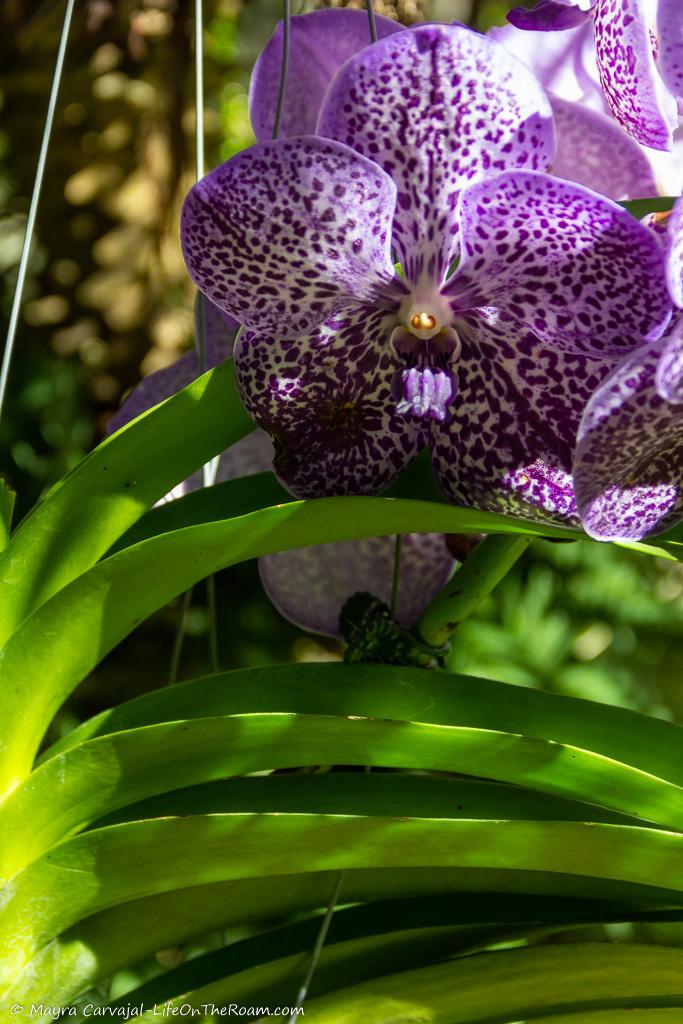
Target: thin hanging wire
{"type": "Point", "coordinates": [179, 637]}
{"type": "Point", "coordinates": [317, 949]}
{"type": "Point", "coordinates": [371, 20]}
{"type": "Point", "coordinates": [396, 578]}
{"type": "Point", "coordinates": [210, 469]}
{"type": "Point", "coordinates": [286, 20]}
{"type": "Point", "coordinates": [199, 86]}
{"type": "Point", "coordinates": [33, 209]}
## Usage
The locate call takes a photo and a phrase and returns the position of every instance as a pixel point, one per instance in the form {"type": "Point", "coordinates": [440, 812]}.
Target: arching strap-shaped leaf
{"type": "Point", "coordinates": [74, 789]}
{"type": "Point", "coordinates": [405, 695]}
{"type": "Point", "coordinates": [68, 635]}
{"type": "Point", "coordinates": [102, 868]}
{"type": "Point", "coordinates": [346, 960]}
{"type": "Point", "coordinates": [83, 514]}
{"type": "Point", "coordinates": [100, 945]}
{"type": "Point", "coordinates": [516, 985]}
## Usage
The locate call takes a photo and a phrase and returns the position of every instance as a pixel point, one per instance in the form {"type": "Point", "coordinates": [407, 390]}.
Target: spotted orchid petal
{"type": "Point", "coordinates": [572, 266]}
{"type": "Point", "coordinates": [319, 43]}
{"type": "Point", "coordinates": [563, 62]}
{"type": "Point", "coordinates": [674, 253]}
{"type": "Point", "coordinates": [508, 445]}
{"type": "Point", "coordinates": [288, 232]}
{"type": "Point", "coordinates": [327, 399]}
{"type": "Point", "coordinates": [310, 586]}
{"type": "Point", "coordinates": [628, 72]}
{"type": "Point", "coordinates": [670, 44]}
{"type": "Point", "coordinates": [630, 447]}
{"type": "Point", "coordinates": [437, 107]}
{"type": "Point", "coordinates": [594, 151]}
{"type": "Point", "coordinates": [669, 376]}
{"type": "Point", "coordinates": [551, 15]}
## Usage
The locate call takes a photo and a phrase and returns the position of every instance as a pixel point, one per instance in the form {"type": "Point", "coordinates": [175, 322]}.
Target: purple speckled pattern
{"type": "Point", "coordinates": [669, 376]}
{"type": "Point", "coordinates": [328, 401]}
{"type": "Point", "coordinates": [674, 253]}
{"type": "Point", "coordinates": [627, 472]}
{"type": "Point", "coordinates": [573, 266]}
{"type": "Point", "coordinates": [320, 42]}
{"type": "Point", "coordinates": [550, 15]}
{"type": "Point", "coordinates": [593, 150]}
{"type": "Point", "coordinates": [670, 44]}
{"type": "Point", "coordinates": [628, 73]}
{"type": "Point", "coordinates": [352, 370]}
{"type": "Point", "coordinates": [310, 586]}
{"type": "Point", "coordinates": [302, 224]}
{"type": "Point", "coordinates": [438, 107]}
{"type": "Point", "coordinates": [509, 444]}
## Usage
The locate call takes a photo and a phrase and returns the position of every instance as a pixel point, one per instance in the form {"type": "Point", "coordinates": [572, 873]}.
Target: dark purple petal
{"type": "Point", "coordinates": [219, 338]}
{"type": "Point", "coordinates": [288, 232]}
{"type": "Point", "coordinates": [669, 377]}
{"type": "Point", "coordinates": [508, 445]}
{"type": "Point", "coordinates": [327, 401]}
{"type": "Point", "coordinates": [438, 107]}
{"type": "Point", "coordinates": [628, 72]}
{"type": "Point", "coordinates": [549, 16]}
{"type": "Point", "coordinates": [596, 152]}
{"type": "Point", "coordinates": [674, 253]}
{"type": "Point", "coordinates": [628, 470]}
{"type": "Point", "coordinates": [220, 330]}
{"type": "Point", "coordinates": [563, 62]}
{"type": "Point", "coordinates": [310, 586]}
{"type": "Point", "coordinates": [319, 44]}
{"type": "Point", "coordinates": [575, 268]}
{"type": "Point", "coordinates": [252, 454]}
{"type": "Point", "coordinates": [670, 44]}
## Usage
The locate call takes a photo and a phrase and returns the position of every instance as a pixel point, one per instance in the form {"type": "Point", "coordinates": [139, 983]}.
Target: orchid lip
{"type": "Point", "coordinates": [427, 385]}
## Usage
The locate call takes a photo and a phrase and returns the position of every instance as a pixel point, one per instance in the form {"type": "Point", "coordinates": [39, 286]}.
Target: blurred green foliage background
{"type": "Point", "coordinates": [108, 300]}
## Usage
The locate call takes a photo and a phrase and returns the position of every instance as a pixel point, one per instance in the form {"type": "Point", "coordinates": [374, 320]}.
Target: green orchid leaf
{"type": "Point", "coordinates": [417, 796]}
{"type": "Point", "coordinates": [95, 948]}
{"type": "Point", "coordinates": [404, 694]}
{"type": "Point", "coordinates": [83, 514]}
{"type": "Point", "coordinates": [657, 204]}
{"type": "Point", "coordinates": [517, 985]}
{"type": "Point", "coordinates": [75, 789]}
{"type": "Point", "coordinates": [275, 983]}
{"type": "Point", "coordinates": [56, 647]}
{"type": "Point", "coordinates": [363, 942]}
{"type": "Point", "coordinates": [104, 867]}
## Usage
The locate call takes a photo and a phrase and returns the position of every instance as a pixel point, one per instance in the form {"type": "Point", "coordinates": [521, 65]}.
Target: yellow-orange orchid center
{"type": "Point", "coordinates": [423, 321]}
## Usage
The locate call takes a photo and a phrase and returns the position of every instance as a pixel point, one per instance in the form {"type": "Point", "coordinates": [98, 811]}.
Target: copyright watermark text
{"type": "Point", "coordinates": [128, 1011]}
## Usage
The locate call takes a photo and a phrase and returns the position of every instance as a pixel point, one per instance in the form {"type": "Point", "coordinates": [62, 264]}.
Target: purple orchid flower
{"type": "Point", "coordinates": [320, 42]}
{"type": "Point", "coordinates": [430, 149]}
{"type": "Point", "coordinates": [592, 148]}
{"type": "Point", "coordinates": [640, 58]}
{"type": "Point", "coordinates": [309, 586]}
{"type": "Point", "coordinates": [629, 460]}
